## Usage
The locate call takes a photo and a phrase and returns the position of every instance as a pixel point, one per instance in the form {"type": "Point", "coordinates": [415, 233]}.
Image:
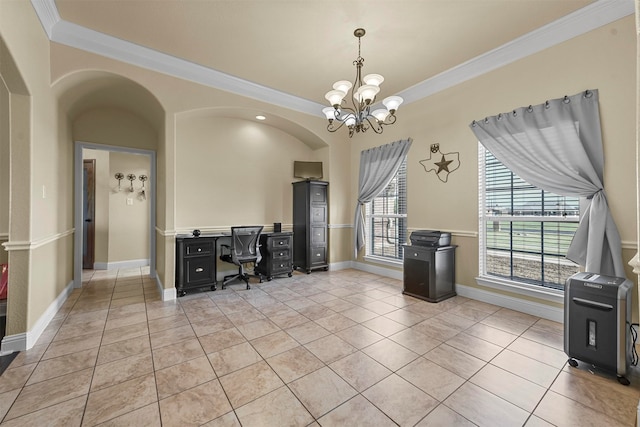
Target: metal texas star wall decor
{"type": "Point", "coordinates": [441, 163]}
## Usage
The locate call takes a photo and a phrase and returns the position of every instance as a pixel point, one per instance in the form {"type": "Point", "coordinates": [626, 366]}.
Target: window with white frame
{"type": "Point", "coordinates": [386, 218]}
{"type": "Point", "coordinates": [524, 231]}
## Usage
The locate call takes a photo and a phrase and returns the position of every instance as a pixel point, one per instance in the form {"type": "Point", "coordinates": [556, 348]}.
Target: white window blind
{"type": "Point", "coordinates": [525, 231]}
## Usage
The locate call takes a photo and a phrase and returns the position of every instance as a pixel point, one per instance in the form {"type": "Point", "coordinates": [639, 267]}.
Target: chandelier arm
{"type": "Point", "coordinates": [389, 120]}
{"type": "Point", "coordinates": [331, 127]}
{"type": "Point", "coordinates": [374, 124]}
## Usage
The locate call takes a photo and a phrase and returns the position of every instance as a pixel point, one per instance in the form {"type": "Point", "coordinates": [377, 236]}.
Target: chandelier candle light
{"type": "Point", "coordinates": [360, 118]}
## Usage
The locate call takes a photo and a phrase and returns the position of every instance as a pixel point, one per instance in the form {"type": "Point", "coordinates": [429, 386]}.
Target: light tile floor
{"type": "Point", "coordinates": [341, 348]}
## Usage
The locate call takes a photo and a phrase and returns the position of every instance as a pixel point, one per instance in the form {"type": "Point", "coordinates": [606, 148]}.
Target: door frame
{"type": "Point", "coordinates": [78, 211]}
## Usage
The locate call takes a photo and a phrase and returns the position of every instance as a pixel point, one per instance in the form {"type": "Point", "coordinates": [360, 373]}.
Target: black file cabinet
{"type": "Point", "coordinates": [310, 225]}
{"type": "Point", "coordinates": [429, 272]}
{"type": "Point", "coordinates": [195, 263]}
{"type": "Point", "coordinates": [276, 251]}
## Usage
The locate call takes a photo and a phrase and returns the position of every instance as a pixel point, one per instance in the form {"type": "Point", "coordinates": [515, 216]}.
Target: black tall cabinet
{"type": "Point", "coordinates": [310, 230]}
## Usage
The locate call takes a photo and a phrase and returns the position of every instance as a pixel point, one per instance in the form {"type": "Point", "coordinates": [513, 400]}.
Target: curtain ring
{"type": "Point", "coordinates": [500, 116]}
{"type": "Point", "coordinates": [566, 99]}
{"type": "Point", "coordinates": [547, 105]}
{"type": "Point", "coordinates": [515, 113]}
{"type": "Point", "coordinates": [473, 124]}
{"type": "Point", "coordinates": [486, 120]}
{"type": "Point", "coordinates": [530, 109]}
{"type": "Point", "coordinates": [588, 93]}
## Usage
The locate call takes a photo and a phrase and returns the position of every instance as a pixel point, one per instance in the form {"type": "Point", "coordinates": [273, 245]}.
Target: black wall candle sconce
{"type": "Point", "coordinates": [119, 176]}
{"type": "Point", "coordinates": [132, 177]}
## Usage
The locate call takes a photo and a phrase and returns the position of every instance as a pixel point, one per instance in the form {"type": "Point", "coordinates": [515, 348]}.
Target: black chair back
{"type": "Point", "coordinates": [244, 244]}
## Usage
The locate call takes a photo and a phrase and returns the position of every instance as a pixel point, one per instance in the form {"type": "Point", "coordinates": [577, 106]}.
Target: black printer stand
{"type": "Point", "coordinates": [429, 272]}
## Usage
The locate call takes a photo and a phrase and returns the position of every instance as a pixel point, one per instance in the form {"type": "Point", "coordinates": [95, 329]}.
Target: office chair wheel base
{"type": "Point", "coordinates": [289, 274]}
{"type": "Point", "coordinates": [269, 279]}
{"type": "Point", "coordinates": [573, 362]}
{"type": "Point", "coordinates": [213, 288]}
{"type": "Point", "coordinates": [181, 293]}
{"type": "Point", "coordinates": [623, 380]}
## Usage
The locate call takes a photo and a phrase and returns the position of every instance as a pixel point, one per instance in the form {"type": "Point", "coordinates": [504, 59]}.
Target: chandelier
{"type": "Point", "coordinates": [360, 118]}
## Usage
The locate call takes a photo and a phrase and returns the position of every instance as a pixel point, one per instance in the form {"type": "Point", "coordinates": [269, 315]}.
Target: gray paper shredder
{"type": "Point", "coordinates": [597, 322]}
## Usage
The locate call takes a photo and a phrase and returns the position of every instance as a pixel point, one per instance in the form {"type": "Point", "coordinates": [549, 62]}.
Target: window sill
{"type": "Point", "coordinates": [397, 263]}
{"type": "Point", "coordinates": [533, 291]}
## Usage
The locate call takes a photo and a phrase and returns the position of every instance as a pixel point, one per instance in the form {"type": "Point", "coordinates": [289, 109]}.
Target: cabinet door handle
{"type": "Point", "coordinates": [199, 249]}
{"type": "Point", "coordinates": [281, 243]}
{"type": "Point", "coordinates": [415, 254]}
{"type": "Point", "coordinates": [199, 270]}
{"type": "Point", "coordinates": [281, 253]}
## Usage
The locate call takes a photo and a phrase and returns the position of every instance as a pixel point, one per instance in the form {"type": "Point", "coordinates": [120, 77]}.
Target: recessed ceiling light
{"type": "Point", "coordinates": [260, 117]}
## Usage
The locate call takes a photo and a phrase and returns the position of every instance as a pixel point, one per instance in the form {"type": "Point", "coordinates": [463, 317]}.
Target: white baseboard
{"type": "Point", "coordinates": [344, 265]}
{"type": "Point", "coordinates": [121, 264]}
{"type": "Point", "coordinates": [525, 306]}
{"type": "Point", "coordinates": [12, 343]}
{"type": "Point", "coordinates": [382, 271]}
{"type": "Point", "coordinates": [167, 294]}
{"type": "Point", "coordinates": [24, 341]}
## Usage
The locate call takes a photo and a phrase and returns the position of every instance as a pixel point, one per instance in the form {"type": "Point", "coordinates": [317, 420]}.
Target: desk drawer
{"type": "Point", "coordinates": [318, 235]}
{"type": "Point", "coordinates": [199, 270]}
{"type": "Point", "coordinates": [280, 266]}
{"type": "Point", "coordinates": [283, 254]}
{"type": "Point", "coordinates": [318, 255]}
{"type": "Point", "coordinates": [198, 248]}
{"type": "Point", "coordinates": [277, 243]}
{"type": "Point", "coordinates": [318, 214]}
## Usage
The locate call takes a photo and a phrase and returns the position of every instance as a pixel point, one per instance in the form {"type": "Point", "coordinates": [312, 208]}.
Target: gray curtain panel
{"type": "Point", "coordinates": [557, 146]}
{"type": "Point", "coordinates": [378, 166]}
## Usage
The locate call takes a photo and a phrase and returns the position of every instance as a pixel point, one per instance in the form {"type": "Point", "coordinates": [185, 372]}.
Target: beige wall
{"type": "Point", "coordinates": [4, 168]}
{"type": "Point", "coordinates": [128, 211]}
{"type": "Point", "coordinates": [121, 229]}
{"type": "Point", "coordinates": [41, 217]}
{"type": "Point", "coordinates": [233, 172]}
{"type": "Point", "coordinates": [54, 106]}
{"type": "Point", "coordinates": [603, 59]}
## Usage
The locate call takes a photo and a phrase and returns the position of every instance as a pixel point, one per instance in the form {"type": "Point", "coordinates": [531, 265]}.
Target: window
{"type": "Point", "coordinates": [386, 218]}
{"type": "Point", "coordinates": [524, 231]}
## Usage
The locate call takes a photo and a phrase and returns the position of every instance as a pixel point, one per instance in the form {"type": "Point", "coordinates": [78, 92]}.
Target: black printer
{"type": "Point", "coordinates": [430, 238]}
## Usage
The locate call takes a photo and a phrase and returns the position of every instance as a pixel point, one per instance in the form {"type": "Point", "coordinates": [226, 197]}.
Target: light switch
{"type": "Point", "coordinates": [129, 201]}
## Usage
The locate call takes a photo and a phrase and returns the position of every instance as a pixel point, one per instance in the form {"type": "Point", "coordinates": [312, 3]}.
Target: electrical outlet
{"type": "Point", "coordinates": [44, 191]}
{"type": "Point", "coordinates": [129, 201]}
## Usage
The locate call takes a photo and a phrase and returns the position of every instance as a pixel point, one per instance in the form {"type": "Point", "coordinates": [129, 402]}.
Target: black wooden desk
{"type": "Point", "coordinates": [196, 261]}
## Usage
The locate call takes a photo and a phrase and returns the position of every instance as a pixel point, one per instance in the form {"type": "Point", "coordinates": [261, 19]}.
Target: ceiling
{"type": "Point", "coordinates": [300, 47]}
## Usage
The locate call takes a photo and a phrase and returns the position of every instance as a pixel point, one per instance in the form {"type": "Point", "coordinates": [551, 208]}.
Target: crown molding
{"type": "Point", "coordinates": [588, 18]}
{"type": "Point", "coordinates": [591, 17]}
{"type": "Point", "coordinates": [47, 13]}
{"type": "Point", "coordinates": [79, 37]}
